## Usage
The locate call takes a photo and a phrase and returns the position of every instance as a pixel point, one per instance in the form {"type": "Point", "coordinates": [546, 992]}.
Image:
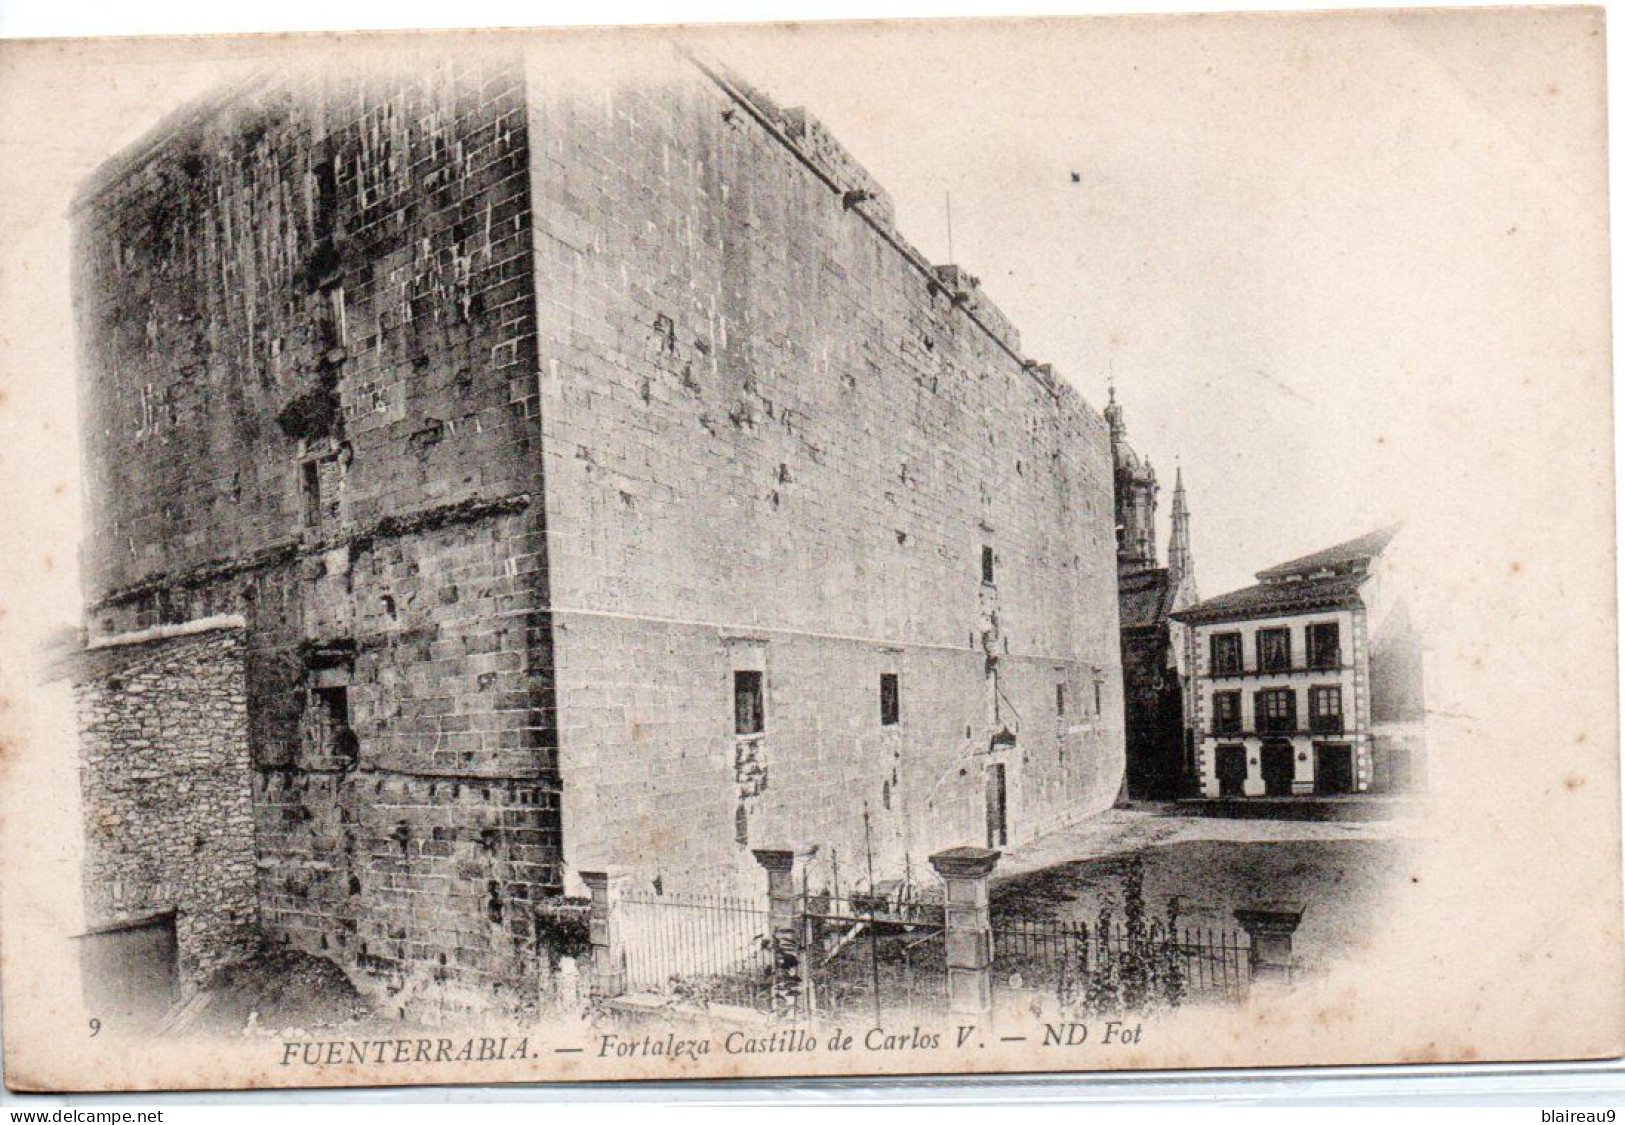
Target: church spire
{"type": "Point", "coordinates": [1180, 564]}
{"type": "Point", "coordinates": [1114, 413]}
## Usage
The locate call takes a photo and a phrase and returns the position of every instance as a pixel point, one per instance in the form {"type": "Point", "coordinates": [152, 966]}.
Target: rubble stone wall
{"type": "Point", "coordinates": [165, 787]}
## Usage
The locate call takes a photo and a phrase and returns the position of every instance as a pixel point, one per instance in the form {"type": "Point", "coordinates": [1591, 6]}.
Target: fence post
{"type": "Point", "coordinates": [785, 924]}
{"type": "Point", "coordinates": [1269, 935]}
{"type": "Point", "coordinates": [965, 874]}
{"type": "Point", "coordinates": [604, 932]}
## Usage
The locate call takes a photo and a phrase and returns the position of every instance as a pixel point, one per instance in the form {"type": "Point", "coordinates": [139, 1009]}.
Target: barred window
{"type": "Point", "coordinates": [1275, 710]}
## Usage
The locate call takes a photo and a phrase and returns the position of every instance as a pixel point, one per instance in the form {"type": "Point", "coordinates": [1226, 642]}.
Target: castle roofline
{"type": "Point", "coordinates": [796, 129]}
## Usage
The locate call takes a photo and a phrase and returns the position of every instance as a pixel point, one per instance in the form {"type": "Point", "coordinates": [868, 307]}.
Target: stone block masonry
{"type": "Point", "coordinates": [582, 454]}
{"type": "Point", "coordinates": [306, 310]}
{"type": "Point", "coordinates": [777, 441]}
{"type": "Point", "coordinates": [166, 790]}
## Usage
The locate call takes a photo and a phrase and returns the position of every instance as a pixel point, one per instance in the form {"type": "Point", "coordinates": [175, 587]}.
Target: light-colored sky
{"type": "Point", "coordinates": [1297, 245]}
{"type": "Point", "coordinates": [1292, 242]}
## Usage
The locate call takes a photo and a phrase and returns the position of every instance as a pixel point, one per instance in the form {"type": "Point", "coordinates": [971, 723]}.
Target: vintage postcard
{"type": "Point", "coordinates": [852, 549]}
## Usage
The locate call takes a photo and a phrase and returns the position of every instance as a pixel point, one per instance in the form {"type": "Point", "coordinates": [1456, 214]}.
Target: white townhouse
{"type": "Point", "coordinates": [1309, 683]}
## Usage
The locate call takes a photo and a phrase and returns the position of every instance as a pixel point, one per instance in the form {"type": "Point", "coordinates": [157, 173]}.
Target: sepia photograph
{"type": "Point", "coordinates": [775, 550]}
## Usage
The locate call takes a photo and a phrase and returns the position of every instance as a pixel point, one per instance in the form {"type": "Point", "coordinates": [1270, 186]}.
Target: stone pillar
{"type": "Point", "coordinates": [608, 973]}
{"type": "Point", "coordinates": [785, 922]}
{"type": "Point", "coordinates": [1269, 933]}
{"type": "Point", "coordinates": [784, 905]}
{"type": "Point", "coordinates": [965, 873]}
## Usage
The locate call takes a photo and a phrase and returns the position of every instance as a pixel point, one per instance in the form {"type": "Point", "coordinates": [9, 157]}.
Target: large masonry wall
{"type": "Point", "coordinates": [309, 398]}
{"type": "Point", "coordinates": [523, 416]}
{"type": "Point", "coordinates": [165, 785]}
{"type": "Point", "coordinates": [776, 440]}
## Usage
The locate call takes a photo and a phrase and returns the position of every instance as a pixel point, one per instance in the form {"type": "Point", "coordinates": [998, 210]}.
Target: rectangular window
{"type": "Point", "coordinates": [328, 729]}
{"type": "Point", "coordinates": [161, 607]}
{"type": "Point", "coordinates": [336, 329]}
{"type": "Point", "coordinates": [748, 711]}
{"type": "Point", "coordinates": [325, 183]}
{"type": "Point", "coordinates": [1326, 710]}
{"type": "Point", "coordinates": [1324, 650]}
{"type": "Point", "coordinates": [890, 700]}
{"type": "Point", "coordinates": [1274, 650]}
{"type": "Point", "coordinates": [1275, 711]}
{"type": "Point", "coordinates": [321, 480]}
{"type": "Point", "coordinates": [1227, 712]}
{"type": "Point", "coordinates": [1226, 654]}
{"type": "Point", "coordinates": [987, 565]}
{"type": "Point", "coordinates": [1060, 699]}
{"type": "Point", "coordinates": [335, 704]}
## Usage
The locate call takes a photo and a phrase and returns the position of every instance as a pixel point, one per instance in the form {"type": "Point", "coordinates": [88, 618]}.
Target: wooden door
{"type": "Point", "coordinates": [1231, 766]}
{"type": "Point", "coordinates": [1276, 765]}
{"type": "Point", "coordinates": [1334, 768]}
{"type": "Point", "coordinates": [997, 829]}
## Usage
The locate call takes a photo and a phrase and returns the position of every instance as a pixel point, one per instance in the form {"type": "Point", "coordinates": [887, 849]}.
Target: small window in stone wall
{"type": "Point", "coordinates": [987, 565]}
{"type": "Point", "coordinates": [749, 715]}
{"type": "Point", "coordinates": [1060, 699]}
{"type": "Point", "coordinates": [323, 478]}
{"type": "Point", "coordinates": [335, 327]}
{"type": "Point", "coordinates": [891, 703]}
{"type": "Point", "coordinates": [332, 722]}
{"type": "Point", "coordinates": [335, 703]}
{"type": "Point", "coordinates": [160, 607]}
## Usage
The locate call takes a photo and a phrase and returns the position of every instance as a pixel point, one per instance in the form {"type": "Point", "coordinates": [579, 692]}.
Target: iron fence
{"type": "Point", "coordinates": [873, 956]}
{"type": "Point", "coordinates": [710, 949]}
{"type": "Point", "coordinates": [1114, 966]}
{"type": "Point", "coordinates": [884, 957]}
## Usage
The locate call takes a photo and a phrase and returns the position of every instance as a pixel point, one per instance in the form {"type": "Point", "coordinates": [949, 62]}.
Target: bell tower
{"type": "Point", "coordinates": [1135, 492]}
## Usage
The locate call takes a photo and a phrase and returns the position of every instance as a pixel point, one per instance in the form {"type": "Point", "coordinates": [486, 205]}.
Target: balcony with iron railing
{"type": "Point", "coordinates": [1317, 728]}
{"type": "Point", "coordinates": [1288, 668]}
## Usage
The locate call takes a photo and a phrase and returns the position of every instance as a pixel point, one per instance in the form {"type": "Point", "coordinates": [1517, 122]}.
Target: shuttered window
{"type": "Point", "coordinates": [1274, 650]}
{"type": "Point", "coordinates": [1226, 653]}
{"type": "Point", "coordinates": [1275, 710]}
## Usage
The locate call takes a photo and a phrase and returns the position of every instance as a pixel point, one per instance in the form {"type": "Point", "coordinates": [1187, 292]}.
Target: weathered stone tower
{"type": "Point", "coordinates": [600, 478]}
{"type": "Point", "coordinates": [1154, 686]}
